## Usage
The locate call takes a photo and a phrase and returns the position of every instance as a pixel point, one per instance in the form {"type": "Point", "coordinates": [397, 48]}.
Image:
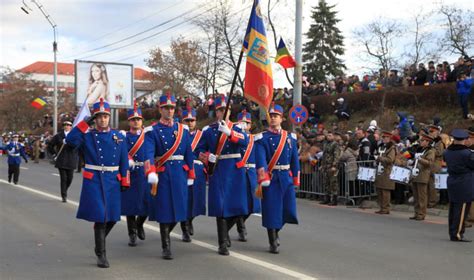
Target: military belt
{"type": "Point", "coordinates": [14, 155]}
{"type": "Point", "coordinates": [282, 167]}
{"type": "Point", "coordinates": [139, 163]}
{"type": "Point", "coordinates": [177, 157]}
{"type": "Point", "coordinates": [198, 162]}
{"type": "Point", "coordinates": [250, 165]}
{"type": "Point", "coordinates": [228, 156]}
{"type": "Point", "coordinates": [102, 168]}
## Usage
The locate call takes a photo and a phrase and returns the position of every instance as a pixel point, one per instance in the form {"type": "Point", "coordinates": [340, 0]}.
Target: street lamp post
{"type": "Point", "coordinates": [25, 8]}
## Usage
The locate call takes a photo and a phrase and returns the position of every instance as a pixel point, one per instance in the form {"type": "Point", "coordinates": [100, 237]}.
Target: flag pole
{"type": "Point", "coordinates": [212, 166]}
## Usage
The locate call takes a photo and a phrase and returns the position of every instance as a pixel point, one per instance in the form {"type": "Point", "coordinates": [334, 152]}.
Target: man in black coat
{"type": "Point", "coordinates": [66, 158]}
{"type": "Point", "coordinates": [460, 162]}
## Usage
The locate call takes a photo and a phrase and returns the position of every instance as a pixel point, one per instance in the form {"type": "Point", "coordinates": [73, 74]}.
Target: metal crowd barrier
{"type": "Point", "coordinates": [350, 188]}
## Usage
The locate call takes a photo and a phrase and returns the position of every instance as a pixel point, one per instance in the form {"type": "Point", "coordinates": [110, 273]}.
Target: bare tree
{"type": "Point", "coordinates": [419, 49]}
{"type": "Point", "coordinates": [458, 37]}
{"type": "Point", "coordinates": [378, 39]}
{"type": "Point", "coordinates": [269, 9]}
{"type": "Point", "coordinates": [224, 29]}
{"type": "Point", "coordinates": [180, 69]}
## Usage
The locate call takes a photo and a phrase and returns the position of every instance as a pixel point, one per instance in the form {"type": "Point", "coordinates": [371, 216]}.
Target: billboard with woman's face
{"type": "Point", "coordinates": [111, 81]}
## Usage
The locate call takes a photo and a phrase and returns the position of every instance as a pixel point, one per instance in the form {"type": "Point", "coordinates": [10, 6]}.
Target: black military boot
{"type": "Point", "coordinates": [99, 235]}
{"type": "Point", "coordinates": [190, 226]}
{"type": "Point", "coordinates": [108, 227]}
{"type": "Point", "coordinates": [272, 239]}
{"type": "Point", "coordinates": [333, 200]}
{"type": "Point", "coordinates": [326, 200]}
{"type": "Point", "coordinates": [241, 228]}
{"type": "Point", "coordinates": [222, 235]}
{"type": "Point", "coordinates": [278, 237]}
{"type": "Point", "coordinates": [230, 222]}
{"type": "Point", "coordinates": [132, 231]}
{"type": "Point", "coordinates": [140, 230]}
{"type": "Point", "coordinates": [165, 241]}
{"type": "Point", "coordinates": [185, 230]}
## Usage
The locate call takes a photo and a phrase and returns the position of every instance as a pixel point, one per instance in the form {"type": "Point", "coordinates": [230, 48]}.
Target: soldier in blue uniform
{"type": "Point", "coordinates": [135, 200]}
{"type": "Point", "coordinates": [278, 172]}
{"type": "Point", "coordinates": [227, 195]}
{"type": "Point", "coordinates": [168, 153]}
{"type": "Point", "coordinates": [248, 162]}
{"type": "Point", "coordinates": [460, 162]}
{"type": "Point", "coordinates": [196, 192]}
{"type": "Point", "coordinates": [104, 176]}
{"type": "Point", "coordinates": [15, 151]}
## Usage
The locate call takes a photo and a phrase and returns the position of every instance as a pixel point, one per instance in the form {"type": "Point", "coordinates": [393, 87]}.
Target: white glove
{"type": "Point", "coordinates": [410, 162]}
{"type": "Point", "coordinates": [190, 182]}
{"type": "Point", "coordinates": [265, 183]}
{"type": "Point", "coordinates": [376, 157]}
{"type": "Point", "coordinates": [224, 128]}
{"type": "Point", "coordinates": [153, 178]}
{"type": "Point", "coordinates": [417, 155]}
{"type": "Point", "coordinates": [64, 141]}
{"type": "Point", "coordinates": [212, 158]}
{"type": "Point", "coordinates": [131, 163]}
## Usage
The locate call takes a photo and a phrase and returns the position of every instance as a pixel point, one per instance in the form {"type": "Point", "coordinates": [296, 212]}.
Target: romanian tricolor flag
{"type": "Point", "coordinates": [38, 103]}
{"type": "Point", "coordinates": [258, 85]}
{"type": "Point", "coordinates": [284, 57]}
{"type": "Point", "coordinates": [407, 155]}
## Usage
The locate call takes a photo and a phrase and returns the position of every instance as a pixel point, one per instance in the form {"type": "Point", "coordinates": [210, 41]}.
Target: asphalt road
{"type": "Point", "coordinates": [40, 238]}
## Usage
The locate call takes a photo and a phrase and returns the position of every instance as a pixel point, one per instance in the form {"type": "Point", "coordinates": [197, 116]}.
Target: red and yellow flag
{"type": "Point", "coordinates": [284, 57]}
{"type": "Point", "coordinates": [258, 85]}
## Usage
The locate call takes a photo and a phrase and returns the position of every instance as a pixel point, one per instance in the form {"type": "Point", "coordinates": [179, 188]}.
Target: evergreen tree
{"type": "Point", "coordinates": [321, 53]}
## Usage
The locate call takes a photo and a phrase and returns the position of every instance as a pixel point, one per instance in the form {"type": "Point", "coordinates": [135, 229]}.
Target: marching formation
{"type": "Point", "coordinates": [161, 172]}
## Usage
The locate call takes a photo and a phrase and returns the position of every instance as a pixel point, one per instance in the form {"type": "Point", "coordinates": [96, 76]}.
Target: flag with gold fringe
{"type": "Point", "coordinates": [258, 85]}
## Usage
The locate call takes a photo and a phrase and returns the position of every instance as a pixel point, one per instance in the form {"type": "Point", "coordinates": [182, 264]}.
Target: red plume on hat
{"type": "Point", "coordinates": [101, 104]}
{"type": "Point", "coordinates": [135, 105]}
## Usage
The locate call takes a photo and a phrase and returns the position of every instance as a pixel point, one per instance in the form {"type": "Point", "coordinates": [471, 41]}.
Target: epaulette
{"type": "Point", "coordinates": [22, 145]}
{"type": "Point", "coordinates": [205, 128]}
{"type": "Point", "coordinates": [123, 132]}
{"type": "Point", "coordinates": [185, 126]}
{"type": "Point", "coordinates": [294, 136]}
{"type": "Point", "coordinates": [148, 129]}
{"type": "Point", "coordinates": [258, 136]}
{"type": "Point", "coordinates": [239, 125]}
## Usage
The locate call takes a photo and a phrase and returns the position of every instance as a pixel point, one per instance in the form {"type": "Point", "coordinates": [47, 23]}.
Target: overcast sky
{"type": "Point", "coordinates": [85, 25]}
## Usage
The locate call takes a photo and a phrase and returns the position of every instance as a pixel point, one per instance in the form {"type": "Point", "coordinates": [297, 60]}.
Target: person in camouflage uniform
{"type": "Point", "coordinates": [329, 168]}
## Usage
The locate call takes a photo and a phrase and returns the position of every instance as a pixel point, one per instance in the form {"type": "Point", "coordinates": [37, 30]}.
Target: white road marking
{"type": "Point", "coordinates": [55, 174]}
{"type": "Point", "coordinates": [24, 168]}
{"type": "Point", "coordinates": [242, 257]}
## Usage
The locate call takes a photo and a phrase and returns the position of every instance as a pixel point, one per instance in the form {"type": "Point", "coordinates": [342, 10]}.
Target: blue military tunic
{"type": "Point", "coordinates": [197, 192]}
{"type": "Point", "coordinates": [135, 200]}
{"type": "Point", "coordinates": [227, 195]}
{"type": "Point", "coordinates": [279, 199]}
{"type": "Point", "coordinates": [251, 179]}
{"type": "Point", "coordinates": [15, 153]}
{"type": "Point", "coordinates": [460, 162]}
{"type": "Point", "coordinates": [170, 203]}
{"type": "Point", "coordinates": [100, 195]}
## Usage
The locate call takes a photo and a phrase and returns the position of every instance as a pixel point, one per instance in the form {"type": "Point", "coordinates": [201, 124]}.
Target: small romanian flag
{"type": "Point", "coordinates": [407, 155]}
{"type": "Point", "coordinates": [38, 103]}
{"type": "Point", "coordinates": [284, 57]}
